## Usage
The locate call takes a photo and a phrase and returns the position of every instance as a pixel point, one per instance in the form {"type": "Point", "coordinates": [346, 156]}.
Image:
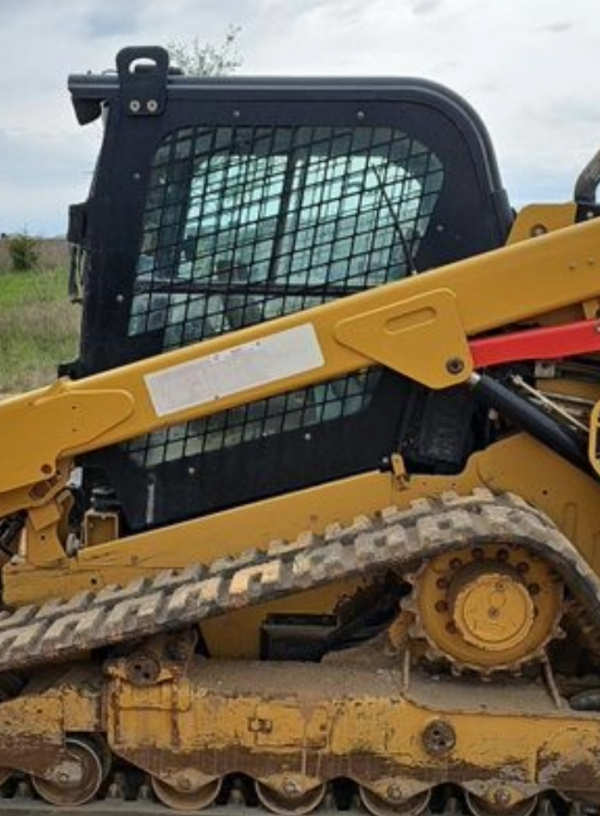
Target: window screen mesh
{"type": "Point", "coordinates": [246, 224]}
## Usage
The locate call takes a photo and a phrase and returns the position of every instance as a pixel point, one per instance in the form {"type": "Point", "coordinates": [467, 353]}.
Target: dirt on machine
{"type": "Point", "coordinates": [312, 522]}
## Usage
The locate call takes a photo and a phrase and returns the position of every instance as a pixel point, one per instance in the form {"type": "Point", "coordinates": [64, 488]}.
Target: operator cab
{"type": "Point", "coordinates": [219, 203]}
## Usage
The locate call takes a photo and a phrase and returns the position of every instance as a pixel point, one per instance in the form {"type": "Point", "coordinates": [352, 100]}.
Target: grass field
{"type": "Point", "coordinates": [38, 327]}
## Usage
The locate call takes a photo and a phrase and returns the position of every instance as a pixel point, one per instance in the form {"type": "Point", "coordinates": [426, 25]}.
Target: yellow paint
{"type": "Point", "coordinates": [494, 612]}
{"type": "Point", "coordinates": [276, 722]}
{"type": "Point", "coordinates": [537, 220]}
{"type": "Point", "coordinates": [280, 722]}
{"type": "Point", "coordinates": [391, 333]}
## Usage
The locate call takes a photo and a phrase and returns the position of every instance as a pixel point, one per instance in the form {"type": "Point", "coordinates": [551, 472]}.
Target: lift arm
{"type": "Point", "coordinates": [419, 327]}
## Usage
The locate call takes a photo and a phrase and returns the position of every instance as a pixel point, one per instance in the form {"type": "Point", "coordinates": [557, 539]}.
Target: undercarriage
{"type": "Point", "coordinates": [464, 699]}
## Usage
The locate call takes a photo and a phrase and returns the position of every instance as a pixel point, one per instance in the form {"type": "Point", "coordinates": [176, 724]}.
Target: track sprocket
{"type": "Point", "coordinates": [487, 608]}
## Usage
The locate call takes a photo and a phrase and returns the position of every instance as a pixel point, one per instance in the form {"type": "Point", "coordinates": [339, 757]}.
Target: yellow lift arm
{"type": "Point", "coordinates": [418, 326]}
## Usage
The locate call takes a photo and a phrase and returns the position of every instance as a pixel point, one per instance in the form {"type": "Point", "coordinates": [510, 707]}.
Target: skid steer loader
{"type": "Point", "coordinates": [313, 521]}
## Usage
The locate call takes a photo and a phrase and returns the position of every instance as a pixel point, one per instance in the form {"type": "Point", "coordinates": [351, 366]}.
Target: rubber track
{"type": "Point", "coordinates": [392, 538]}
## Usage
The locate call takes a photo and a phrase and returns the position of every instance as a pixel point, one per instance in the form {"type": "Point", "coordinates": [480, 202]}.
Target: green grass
{"type": "Point", "coordinates": [39, 328]}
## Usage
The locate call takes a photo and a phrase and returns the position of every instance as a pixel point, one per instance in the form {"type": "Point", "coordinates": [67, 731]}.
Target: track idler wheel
{"type": "Point", "coordinates": [380, 806]}
{"type": "Point", "coordinates": [480, 807]}
{"type": "Point", "coordinates": [74, 781]}
{"type": "Point", "coordinates": [194, 799]}
{"type": "Point", "coordinates": [292, 803]}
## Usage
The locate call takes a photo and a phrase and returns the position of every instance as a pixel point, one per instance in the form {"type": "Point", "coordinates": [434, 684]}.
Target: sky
{"type": "Point", "coordinates": [529, 67]}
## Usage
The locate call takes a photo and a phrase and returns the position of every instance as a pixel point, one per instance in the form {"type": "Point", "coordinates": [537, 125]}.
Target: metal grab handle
{"type": "Point", "coordinates": [588, 181]}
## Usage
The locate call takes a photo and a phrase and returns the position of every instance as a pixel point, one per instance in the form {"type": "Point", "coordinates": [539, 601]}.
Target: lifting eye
{"type": "Point", "coordinates": [142, 66]}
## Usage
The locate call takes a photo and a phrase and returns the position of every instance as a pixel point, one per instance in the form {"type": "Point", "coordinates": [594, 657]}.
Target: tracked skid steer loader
{"type": "Point", "coordinates": [313, 521]}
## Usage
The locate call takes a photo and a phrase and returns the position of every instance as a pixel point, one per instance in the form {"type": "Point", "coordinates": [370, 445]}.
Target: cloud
{"type": "Point", "coordinates": [426, 6]}
{"type": "Point", "coordinates": [105, 20]}
{"type": "Point", "coordinates": [12, 10]}
{"type": "Point", "coordinates": [540, 109]}
{"type": "Point", "coordinates": [557, 28]}
{"type": "Point", "coordinates": [40, 175]}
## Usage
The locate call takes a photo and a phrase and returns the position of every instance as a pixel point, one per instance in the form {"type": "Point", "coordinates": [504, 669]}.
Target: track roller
{"type": "Point", "coordinates": [76, 781]}
{"type": "Point", "coordinates": [293, 803]}
{"type": "Point", "coordinates": [379, 806]}
{"type": "Point", "coordinates": [189, 800]}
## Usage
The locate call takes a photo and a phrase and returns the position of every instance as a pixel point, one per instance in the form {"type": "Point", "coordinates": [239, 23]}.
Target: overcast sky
{"type": "Point", "coordinates": [530, 68]}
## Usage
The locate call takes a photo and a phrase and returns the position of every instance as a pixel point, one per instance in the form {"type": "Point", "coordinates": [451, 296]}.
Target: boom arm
{"type": "Point", "coordinates": [419, 327]}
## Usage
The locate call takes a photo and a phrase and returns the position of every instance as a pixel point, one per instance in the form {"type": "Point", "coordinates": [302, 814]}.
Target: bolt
{"type": "Point", "coordinates": [394, 793]}
{"type": "Point", "coordinates": [152, 105]}
{"type": "Point", "coordinates": [360, 114]}
{"type": "Point", "coordinates": [502, 797]}
{"type": "Point", "coordinates": [134, 106]}
{"type": "Point", "coordinates": [455, 365]}
{"type": "Point", "coordinates": [538, 229]}
{"type": "Point", "coordinates": [493, 613]}
{"type": "Point", "coordinates": [438, 738]}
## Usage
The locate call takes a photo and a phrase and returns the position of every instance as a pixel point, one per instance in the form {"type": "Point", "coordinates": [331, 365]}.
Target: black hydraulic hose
{"type": "Point", "coordinates": [588, 700]}
{"type": "Point", "coordinates": [10, 527]}
{"type": "Point", "coordinates": [530, 419]}
{"type": "Point", "coordinates": [588, 181]}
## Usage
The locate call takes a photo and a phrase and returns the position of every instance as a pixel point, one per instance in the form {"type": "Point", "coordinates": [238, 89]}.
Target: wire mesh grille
{"type": "Point", "coordinates": [246, 224]}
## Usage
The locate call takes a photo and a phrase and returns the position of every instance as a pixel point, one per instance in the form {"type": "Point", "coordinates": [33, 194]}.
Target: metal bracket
{"type": "Point", "coordinates": [422, 337]}
{"type": "Point", "coordinates": [143, 72]}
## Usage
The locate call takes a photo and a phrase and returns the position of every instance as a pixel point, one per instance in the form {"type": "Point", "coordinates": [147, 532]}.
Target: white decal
{"type": "Point", "coordinates": [236, 369]}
